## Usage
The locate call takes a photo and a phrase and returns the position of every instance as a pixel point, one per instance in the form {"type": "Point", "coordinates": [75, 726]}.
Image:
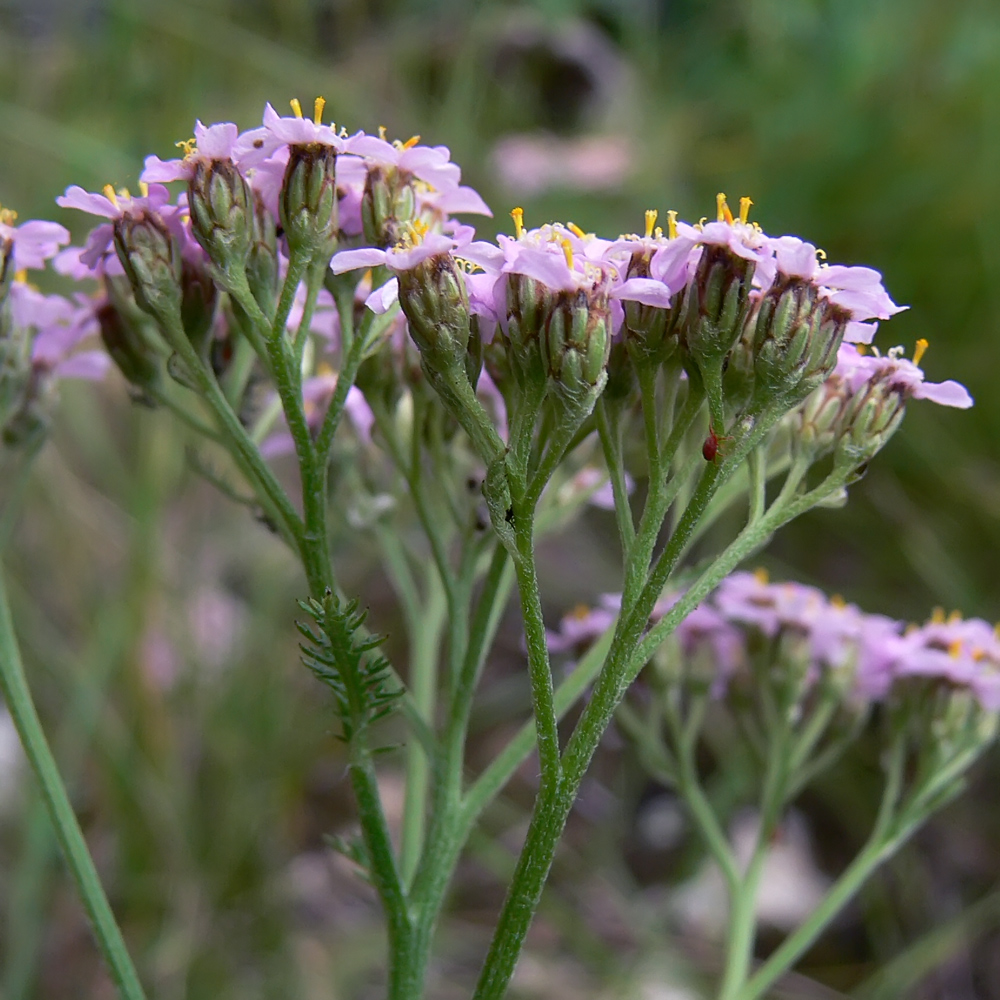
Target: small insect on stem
{"type": "Point", "coordinates": [710, 449]}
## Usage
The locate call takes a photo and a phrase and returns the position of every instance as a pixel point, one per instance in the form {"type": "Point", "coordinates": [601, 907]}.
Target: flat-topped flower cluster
{"type": "Point", "coordinates": [380, 211]}
{"type": "Point", "coordinates": [749, 616]}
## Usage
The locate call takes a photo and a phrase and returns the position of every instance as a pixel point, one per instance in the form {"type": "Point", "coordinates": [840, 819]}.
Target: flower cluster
{"type": "Point", "coordinates": [42, 337]}
{"type": "Point", "coordinates": [789, 623]}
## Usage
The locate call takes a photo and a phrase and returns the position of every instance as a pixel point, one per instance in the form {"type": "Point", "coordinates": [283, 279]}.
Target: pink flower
{"type": "Point", "coordinates": [254, 147]}
{"type": "Point", "coordinates": [31, 244]}
{"type": "Point", "coordinates": [900, 374]}
{"type": "Point", "coordinates": [216, 142]}
{"type": "Point", "coordinates": [403, 257]}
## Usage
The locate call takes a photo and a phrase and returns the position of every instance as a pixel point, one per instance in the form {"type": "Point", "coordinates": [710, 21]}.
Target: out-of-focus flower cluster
{"type": "Point", "coordinates": [797, 630]}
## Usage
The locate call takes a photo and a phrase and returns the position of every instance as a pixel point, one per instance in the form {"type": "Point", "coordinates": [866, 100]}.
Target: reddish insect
{"type": "Point", "coordinates": [710, 449]}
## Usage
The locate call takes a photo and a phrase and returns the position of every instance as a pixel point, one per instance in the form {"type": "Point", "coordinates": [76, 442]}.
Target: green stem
{"type": "Point", "coordinates": [22, 711]}
{"type": "Point", "coordinates": [611, 445]}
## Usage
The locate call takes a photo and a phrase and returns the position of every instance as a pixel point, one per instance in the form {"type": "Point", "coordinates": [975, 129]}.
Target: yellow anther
{"type": "Point", "coordinates": [955, 617]}
{"type": "Point", "coordinates": [937, 616]}
{"type": "Point", "coordinates": [672, 224]}
{"type": "Point", "coordinates": [567, 249]}
{"type": "Point", "coordinates": [575, 229]}
{"type": "Point", "coordinates": [411, 142]}
{"type": "Point", "coordinates": [419, 229]}
{"type": "Point", "coordinates": [579, 612]}
{"type": "Point", "coordinates": [21, 277]}
{"type": "Point", "coordinates": [144, 189]}
{"type": "Point", "coordinates": [821, 253]}
{"type": "Point", "coordinates": [920, 350]}
{"type": "Point", "coordinates": [700, 224]}
{"type": "Point", "coordinates": [325, 368]}
{"type": "Point", "coordinates": [188, 146]}
{"type": "Point", "coordinates": [517, 214]}
{"type": "Point", "coordinates": [978, 654]}
{"type": "Point", "coordinates": [318, 105]}
{"type": "Point", "coordinates": [651, 215]}
{"type": "Point", "coordinates": [955, 648]}
{"type": "Point", "coordinates": [861, 348]}
{"type": "Point", "coordinates": [760, 575]}
{"type": "Point", "coordinates": [296, 107]}
{"type": "Point", "coordinates": [723, 214]}
{"type": "Point", "coordinates": [381, 132]}
{"type": "Point", "coordinates": [745, 204]}
{"type": "Point", "coordinates": [838, 602]}
{"type": "Point", "coordinates": [7, 216]}
{"type": "Point", "coordinates": [109, 193]}
{"type": "Point", "coordinates": [658, 232]}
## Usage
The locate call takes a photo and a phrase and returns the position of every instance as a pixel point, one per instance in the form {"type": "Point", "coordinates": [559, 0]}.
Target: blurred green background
{"type": "Point", "coordinates": [870, 127]}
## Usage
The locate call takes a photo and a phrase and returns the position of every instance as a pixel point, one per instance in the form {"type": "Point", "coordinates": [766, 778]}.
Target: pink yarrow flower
{"type": "Point", "coordinates": [403, 257]}
{"type": "Point", "coordinates": [29, 245]}
{"type": "Point", "coordinates": [899, 374]}
{"type": "Point", "coordinates": [252, 148]}
{"type": "Point", "coordinates": [214, 142]}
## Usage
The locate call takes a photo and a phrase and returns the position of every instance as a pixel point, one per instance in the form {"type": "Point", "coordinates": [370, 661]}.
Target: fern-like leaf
{"type": "Point", "coordinates": [347, 661]}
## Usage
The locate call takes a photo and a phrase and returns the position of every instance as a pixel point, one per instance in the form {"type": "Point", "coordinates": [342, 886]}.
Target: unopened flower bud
{"type": "Point", "coordinates": [715, 305]}
{"type": "Point", "coordinates": [221, 206]}
{"type": "Point", "coordinates": [388, 203]}
{"type": "Point", "coordinates": [651, 331]}
{"type": "Point", "coordinates": [434, 298]}
{"type": "Point", "coordinates": [308, 201]}
{"type": "Point", "coordinates": [819, 419]}
{"type": "Point", "coordinates": [199, 296]}
{"type": "Point", "coordinates": [152, 262]}
{"type": "Point", "coordinates": [796, 336]}
{"type": "Point", "coordinates": [262, 260]}
{"type": "Point", "coordinates": [576, 341]}
{"type": "Point", "coordinates": [528, 304]}
{"type": "Point", "coordinates": [128, 348]}
{"type": "Point", "coordinates": [870, 419]}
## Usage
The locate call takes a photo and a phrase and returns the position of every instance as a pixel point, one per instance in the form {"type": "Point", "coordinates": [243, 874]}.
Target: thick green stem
{"type": "Point", "coordinates": [17, 695]}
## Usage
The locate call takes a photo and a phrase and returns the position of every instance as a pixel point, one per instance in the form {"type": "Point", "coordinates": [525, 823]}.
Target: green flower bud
{"type": "Point", "coordinates": [222, 209]}
{"type": "Point", "coordinates": [796, 337]}
{"type": "Point", "coordinates": [818, 422]}
{"type": "Point", "coordinates": [434, 299]}
{"type": "Point", "coordinates": [199, 296]}
{"type": "Point", "coordinates": [388, 203]}
{"type": "Point", "coordinates": [128, 348]}
{"type": "Point", "coordinates": [576, 341]}
{"type": "Point", "coordinates": [869, 420]}
{"type": "Point", "coordinates": [308, 202]}
{"type": "Point", "coordinates": [650, 331]}
{"type": "Point", "coordinates": [715, 306]}
{"type": "Point", "coordinates": [151, 258]}
{"type": "Point", "coordinates": [262, 259]}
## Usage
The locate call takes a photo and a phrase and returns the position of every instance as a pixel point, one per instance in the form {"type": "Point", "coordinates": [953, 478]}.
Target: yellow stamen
{"type": "Point", "coordinates": [8, 216]}
{"type": "Point", "coordinates": [296, 107]}
{"type": "Point", "coordinates": [651, 215]}
{"type": "Point", "coordinates": [861, 348]}
{"type": "Point", "coordinates": [821, 253]}
{"type": "Point", "coordinates": [920, 350]}
{"type": "Point", "coordinates": [575, 229]}
{"type": "Point", "coordinates": [411, 142]}
{"type": "Point", "coordinates": [144, 189]}
{"type": "Point", "coordinates": [517, 214]}
{"type": "Point", "coordinates": [937, 616]}
{"type": "Point", "coordinates": [672, 224]}
{"type": "Point", "coordinates": [187, 145]}
{"type": "Point", "coordinates": [381, 132]}
{"type": "Point", "coordinates": [579, 612]}
{"type": "Point", "coordinates": [419, 228]}
{"type": "Point", "coordinates": [745, 204]}
{"type": "Point", "coordinates": [318, 105]}
{"type": "Point", "coordinates": [658, 232]}
{"type": "Point", "coordinates": [109, 193]}
{"type": "Point", "coordinates": [955, 648]}
{"type": "Point", "coordinates": [21, 277]}
{"type": "Point", "coordinates": [723, 214]}
{"type": "Point", "coordinates": [760, 575]}
{"type": "Point", "coordinates": [700, 224]}
{"type": "Point", "coordinates": [955, 617]}
{"type": "Point", "coordinates": [978, 654]}
{"type": "Point", "coordinates": [325, 368]}
{"type": "Point", "coordinates": [838, 602]}
{"type": "Point", "coordinates": [567, 249]}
